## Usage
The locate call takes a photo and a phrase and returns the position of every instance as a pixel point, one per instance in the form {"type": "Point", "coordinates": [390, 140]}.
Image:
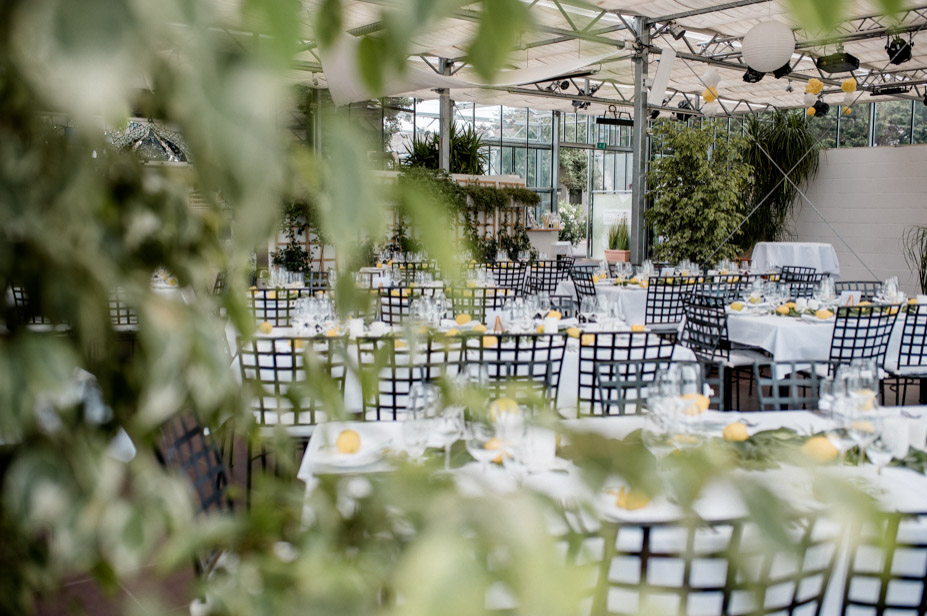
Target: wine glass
{"type": "Point", "coordinates": [587, 309]}
{"type": "Point", "coordinates": [655, 437]}
{"type": "Point", "coordinates": [838, 432]}
{"type": "Point", "coordinates": [415, 429]}
{"type": "Point", "coordinates": [881, 450]}
{"type": "Point", "coordinates": [448, 425]}
{"type": "Point", "coordinates": [481, 442]}
{"type": "Point", "coordinates": [863, 429]}
{"type": "Point", "coordinates": [543, 303]}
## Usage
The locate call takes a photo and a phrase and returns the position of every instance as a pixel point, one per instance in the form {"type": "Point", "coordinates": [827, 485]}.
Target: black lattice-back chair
{"type": "Point", "coordinates": [545, 276]}
{"type": "Point", "coordinates": [789, 386]}
{"type": "Point", "coordinates": [666, 298]}
{"type": "Point", "coordinates": [29, 314]}
{"type": "Point", "coordinates": [477, 301]}
{"type": "Point", "coordinates": [395, 304]}
{"type": "Point", "coordinates": [867, 289]}
{"type": "Point", "coordinates": [862, 332]}
{"type": "Point", "coordinates": [185, 447]}
{"type": "Point", "coordinates": [729, 287]}
{"type": "Point", "coordinates": [521, 366]}
{"type": "Point", "coordinates": [910, 365]}
{"type": "Point", "coordinates": [565, 305]}
{"type": "Point", "coordinates": [218, 287]}
{"type": "Point", "coordinates": [407, 272]}
{"type": "Point", "coordinates": [598, 347]}
{"type": "Point", "coordinates": [316, 282]}
{"type": "Point", "coordinates": [723, 567]}
{"type": "Point", "coordinates": [390, 366]}
{"type": "Point", "coordinates": [887, 566]}
{"type": "Point", "coordinates": [623, 386]}
{"type": "Point", "coordinates": [582, 282]}
{"type": "Point", "coordinates": [282, 374]}
{"type": "Point", "coordinates": [275, 306]}
{"type": "Point", "coordinates": [796, 273]}
{"type": "Point", "coordinates": [121, 314]}
{"type": "Point", "coordinates": [510, 275]}
{"type": "Point", "coordinates": [566, 262]}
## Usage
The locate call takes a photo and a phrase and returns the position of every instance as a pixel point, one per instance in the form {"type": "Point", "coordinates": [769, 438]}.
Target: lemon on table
{"type": "Point", "coordinates": [820, 449]}
{"type": "Point", "coordinates": [379, 265]}
{"type": "Point", "coordinates": [631, 499]}
{"type": "Point", "coordinates": [737, 306]}
{"type": "Point", "coordinates": [735, 432]}
{"type": "Point", "coordinates": [494, 444]}
{"type": "Point", "coordinates": [554, 314]}
{"type": "Point", "coordinates": [331, 333]}
{"type": "Point", "coordinates": [479, 328]}
{"type": "Point", "coordinates": [823, 314]}
{"type": "Point", "coordinates": [912, 301]}
{"type": "Point", "coordinates": [463, 318]}
{"type": "Point", "coordinates": [394, 293]}
{"type": "Point", "coordinates": [637, 328]}
{"type": "Point", "coordinates": [699, 404]}
{"type": "Point", "coordinates": [299, 344]}
{"type": "Point", "coordinates": [502, 406]}
{"type": "Point", "coordinates": [490, 341]}
{"type": "Point", "coordinates": [755, 299]}
{"type": "Point", "coordinates": [453, 332]}
{"type": "Point", "coordinates": [471, 284]}
{"type": "Point", "coordinates": [265, 327]}
{"type": "Point", "coordinates": [399, 344]}
{"type": "Point", "coordinates": [540, 329]}
{"type": "Point", "coordinates": [587, 340]}
{"type": "Point", "coordinates": [791, 305]}
{"type": "Point", "coordinates": [573, 332]}
{"type": "Point", "coordinates": [348, 442]}
{"type": "Point", "coordinates": [783, 310]}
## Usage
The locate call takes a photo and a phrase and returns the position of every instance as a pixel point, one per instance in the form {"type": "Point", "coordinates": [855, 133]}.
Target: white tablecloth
{"type": "Point", "coordinates": [822, 257]}
{"type": "Point", "coordinates": [633, 299]}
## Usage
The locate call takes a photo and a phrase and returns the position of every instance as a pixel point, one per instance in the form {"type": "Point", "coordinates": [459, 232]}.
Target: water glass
{"type": "Point", "coordinates": [415, 431]}
{"type": "Point", "coordinates": [482, 443]}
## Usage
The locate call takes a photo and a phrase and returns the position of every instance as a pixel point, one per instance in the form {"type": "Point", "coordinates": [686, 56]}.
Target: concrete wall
{"type": "Point", "coordinates": [869, 195]}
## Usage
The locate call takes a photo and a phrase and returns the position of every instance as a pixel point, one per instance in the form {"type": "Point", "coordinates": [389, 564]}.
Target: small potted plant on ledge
{"type": "Point", "coordinates": [619, 243]}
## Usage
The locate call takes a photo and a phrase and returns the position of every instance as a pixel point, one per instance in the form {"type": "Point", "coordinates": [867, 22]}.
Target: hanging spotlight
{"type": "Point", "coordinates": [676, 30]}
{"type": "Point", "coordinates": [782, 71]}
{"type": "Point", "coordinates": [899, 50]}
{"type": "Point", "coordinates": [925, 99]}
{"type": "Point", "coordinates": [821, 108]}
{"type": "Point", "coordinates": [683, 104]}
{"type": "Point", "coordinates": [753, 76]}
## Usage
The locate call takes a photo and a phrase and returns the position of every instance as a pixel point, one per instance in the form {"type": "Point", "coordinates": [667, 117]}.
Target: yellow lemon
{"type": "Point", "coordinates": [405, 292]}
{"type": "Point", "coordinates": [501, 406]}
{"type": "Point", "coordinates": [573, 332]}
{"type": "Point", "coordinates": [912, 301]}
{"type": "Point", "coordinates": [394, 293]}
{"type": "Point", "coordinates": [637, 328]}
{"type": "Point", "coordinates": [471, 284]}
{"type": "Point", "coordinates": [863, 425]}
{"type": "Point", "coordinates": [271, 295]}
{"type": "Point", "coordinates": [820, 449]}
{"type": "Point", "coordinates": [252, 288]}
{"type": "Point", "coordinates": [479, 328]}
{"type": "Point", "coordinates": [453, 332]}
{"type": "Point", "coordinates": [755, 300]}
{"type": "Point", "coordinates": [643, 284]}
{"type": "Point", "coordinates": [463, 318]}
{"type": "Point", "coordinates": [554, 314]}
{"type": "Point", "coordinates": [823, 314]}
{"type": "Point", "coordinates": [634, 280]}
{"type": "Point", "coordinates": [332, 333]}
{"type": "Point", "coordinates": [299, 344]}
{"type": "Point", "coordinates": [791, 305]}
{"type": "Point", "coordinates": [390, 262]}
{"type": "Point", "coordinates": [265, 327]}
{"type": "Point", "coordinates": [784, 310]}
{"type": "Point", "coordinates": [494, 444]}
{"type": "Point", "coordinates": [348, 442]}
{"type": "Point", "coordinates": [631, 500]}
{"type": "Point", "coordinates": [490, 341]}
{"type": "Point", "coordinates": [379, 265]}
{"type": "Point", "coordinates": [699, 404]}
{"type": "Point", "coordinates": [864, 303]}
{"type": "Point", "coordinates": [399, 344]}
{"type": "Point", "coordinates": [540, 329]}
{"type": "Point", "coordinates": [736, 432]}
{"type": "Point", "coordinates": [737, 306]}
{"type": "Point", "coordinates": [587, 340]}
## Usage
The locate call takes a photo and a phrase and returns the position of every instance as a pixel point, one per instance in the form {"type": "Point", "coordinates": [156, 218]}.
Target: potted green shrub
{"type": "Point", "coordinates": [619, 243]}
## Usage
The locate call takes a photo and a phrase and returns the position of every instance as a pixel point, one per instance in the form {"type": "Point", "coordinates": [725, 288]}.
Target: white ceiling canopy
{"type": "Point", "coordinates": [599, 43]}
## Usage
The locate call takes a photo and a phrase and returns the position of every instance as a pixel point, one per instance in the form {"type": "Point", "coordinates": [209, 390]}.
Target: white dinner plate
{"type": "Point", "coordinates": [810, 318]}
{"type": "Point", "coordinates": [372, 448]}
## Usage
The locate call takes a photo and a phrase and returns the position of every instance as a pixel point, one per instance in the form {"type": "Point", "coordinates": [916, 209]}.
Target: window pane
{"type": "Point", "coordinates": [854, 128]}
{"type": "Point", "coordinates": [397, 130]}
{"type": "Point", "coordinates": [426, 118]}
{"type": "Point", "coordinates": [513, 123]}
{"type": "Point", "coordinates": [621, 182]}
{"type": "Point", "coordinates": [568, 121]}
{"type": "Point", "coordinates": [580, 128]}
{"type": "Point", "coordinates": [598, 182]}
{"type": "Point", "coordinates": [539, 126]}
{"type": "Point", "coordinates": [893, 122]}
{"type": "Point", "coordinates": [920, 123]}
{"type": "Point", "coordinates": [532, 178]}
{"type": "Point", "coordinates": [489, 122]}
{"type": "Point", "coordinates": [824, 128]}
{"type": "Point", "coordinates": [521, 162]}
{"type": "Point", "coordinates": [544, 168]}
{"type": "Point", "coordinates": [507, 167]}
{"type": "Point", "coordinates": [495, 162]}
{"type": "Point", "coordinates": [463, 114]}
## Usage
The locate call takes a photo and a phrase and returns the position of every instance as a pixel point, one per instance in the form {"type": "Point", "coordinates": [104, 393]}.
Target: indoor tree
{"type": "Point", "coordinates": [697, 192]}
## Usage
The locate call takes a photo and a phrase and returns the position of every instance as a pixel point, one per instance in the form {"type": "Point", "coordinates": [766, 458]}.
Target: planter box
{"type": "Point", "coordinates": [617, 255]}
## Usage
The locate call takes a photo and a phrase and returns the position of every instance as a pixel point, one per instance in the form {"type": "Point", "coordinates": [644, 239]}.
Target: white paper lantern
{"type": "Point", "coordinates": [712, 109]}
{"type": "Point", "coordinates": [711, 78]}
{"type": "Point", "coordinates": [849, 98]}
{"type": "Point", "coordinates": [810, 99]}
{"type": "Point", "coordinates": [768, 46]}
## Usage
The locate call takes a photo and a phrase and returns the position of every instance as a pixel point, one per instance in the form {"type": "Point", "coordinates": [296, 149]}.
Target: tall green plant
{"type": "Point", "coordinates": [787, 138]}
{"type": "Point", "coordinates": [619, 237]}
{"type": "Point", "coordinates": [466, 151]}
{"type": "Point", "coordinates": [697, 190]}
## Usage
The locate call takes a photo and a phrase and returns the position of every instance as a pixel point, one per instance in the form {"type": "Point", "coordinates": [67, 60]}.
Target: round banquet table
{"type": "Point", "coordinates": [770, 255]}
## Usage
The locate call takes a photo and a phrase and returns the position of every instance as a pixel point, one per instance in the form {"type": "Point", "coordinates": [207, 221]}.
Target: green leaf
{"type": "Point", "coordinates": [328, 23]}
{"type": "Point", "coordinates": [503, 22]}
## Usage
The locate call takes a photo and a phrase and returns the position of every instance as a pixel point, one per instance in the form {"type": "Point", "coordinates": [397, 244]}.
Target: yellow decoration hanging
{"type": "Point", "coordinates": [710, 95]}
{"type": "Point", "coordinates": [847, 111]}
{"type": "Point", "coordinates": [848, 85]}
{"type": "Point", "coordinates": [810, 111]}
{"type": "Point", "coordinates": [814, 86]}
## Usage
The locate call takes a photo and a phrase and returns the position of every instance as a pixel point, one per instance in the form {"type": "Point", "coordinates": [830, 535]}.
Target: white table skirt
{"type": "Point", "coordinates": [822, 257]}
{"type": "Point", "coordinates": [633, 299]}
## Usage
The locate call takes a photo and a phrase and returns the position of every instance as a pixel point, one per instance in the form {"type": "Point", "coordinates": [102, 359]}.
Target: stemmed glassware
{"type": "Point", "coordinates": [587, 310]}
{"type": "Point", "coordinates": [480, 436]}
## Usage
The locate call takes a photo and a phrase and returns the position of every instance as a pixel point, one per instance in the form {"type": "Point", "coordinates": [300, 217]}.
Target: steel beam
{"type": "Point", "coordinates": [638, 144]}
{"type": "Point", "coordinates": [445, 119]}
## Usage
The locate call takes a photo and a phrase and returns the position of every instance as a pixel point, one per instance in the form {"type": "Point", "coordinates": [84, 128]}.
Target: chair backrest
{"type": "Point", "coordinates": [624, 385]}
{"type": "Point", "coordinates": [184, 446]}
{"type": "Point", "coordinates": [510, 275]}
{"type": "Point", "coordinates": [395, 304]}
{"type": "Point", "coordinates": [316, 282]}
{"type": "Point", "coordinates": [789, 386]}
{"type": "Point", "coordinates": [284, 375]}
{"type": "Point", "coordinates": [566, 262]}
{"type": "Point", "coordinates": [406, 272]}
{"type": "Point", "coordinates": [218, 288]}
{"type": "Point", "coordinates": [120, 312]}
{"type": "Point", "coordinates": [26, 310]}
{"type": "Point", "coordinates": [666, 297]}
{"type": "Point", "coordinates": [728, 287]}
{"type": "Point", "coordinates": [862, 332]}
{"type": "Point", "coordinates": [913, 349]}
{"type": "Point", "coordinates": [520, 366]}
{"type": "Point", "coordinates": [275, 306]}
{"type": "Point", "coordinates": [477, 301]}
{"type": "Point", "coordinates": [796, 273]}
{"type": "Point", "coordinates": [565, 305]}
{"type": "Point", "coordinates": [546, 275]}
{"type": "Point", "coordinates": [714, 567]}
{"type": "Point", "coordinates": [887, 566]}
{"type": "Point", "coordinates": [582, 282]}
{"type": "Point", "coordinates": [390, 366]}
{"type": "Point", "coordinates": [604, 347]}
{"type": "Point", "coordinates": [866, 288]}
{"type": "Point", "coordinates": [705, 329]}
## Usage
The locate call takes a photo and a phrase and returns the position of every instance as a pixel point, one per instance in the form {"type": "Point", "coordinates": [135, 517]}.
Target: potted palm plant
{"type": "Point", "coordinates": [619, 243]}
